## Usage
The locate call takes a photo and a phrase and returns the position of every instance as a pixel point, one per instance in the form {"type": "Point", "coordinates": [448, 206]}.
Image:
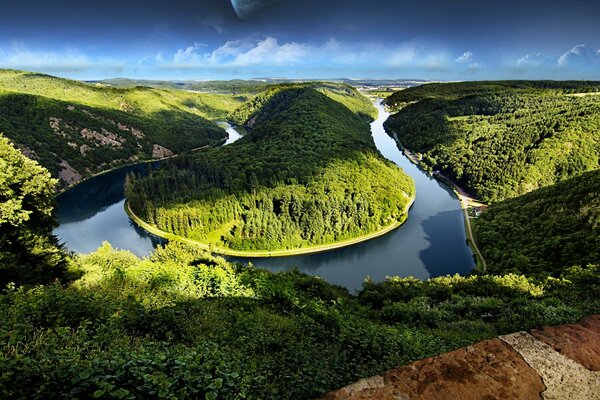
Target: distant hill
{"type": "Point", "coordinates": [249, 112]}
{"type": "Point", "coordinates": [544, 231]}
{"type": "Point", "coordinates": [251, 86]}
{"type": "Point", "coordinates": [308, 173]}
{"type": "Point", "coordinates": [76, 129]}
{"type": "Point", "coordinates": [232, 87]}
{"type": "Point", "coordinates": [501, 139]}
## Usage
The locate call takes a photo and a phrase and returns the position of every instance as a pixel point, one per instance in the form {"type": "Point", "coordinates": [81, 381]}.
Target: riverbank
{"type": "Point", "coordinates": [226, 126]}
{"type": "Point", "coordinates": [266, 254]}
{"type": "Point", "coordinates": [430, 243]}
{"type": "Point", "coordinates": [133, 164]}
{"type": "Point", "coordinates": [466, 201]}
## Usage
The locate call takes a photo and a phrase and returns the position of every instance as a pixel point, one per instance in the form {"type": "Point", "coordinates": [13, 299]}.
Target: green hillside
{"type": "Point", "coordinates": [501, 139]}
{"type": "Point", "coordinates": [75, 129]}
{"type": "Point", "coordinates": [346, 95]}
{"type": "Point", "coordinates": [185, 324]}
{"type": "Point", "coordinates": [545, 230]}
{"type": "Point", "coordinates": [307, 174]}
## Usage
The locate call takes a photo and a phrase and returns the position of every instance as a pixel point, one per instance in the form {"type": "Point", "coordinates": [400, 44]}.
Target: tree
{"type": "Point", "coordinates": [29, 253]}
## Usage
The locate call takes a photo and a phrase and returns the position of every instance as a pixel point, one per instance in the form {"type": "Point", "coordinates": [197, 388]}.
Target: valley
{"type": "Point", "coordinates": [315, 166]}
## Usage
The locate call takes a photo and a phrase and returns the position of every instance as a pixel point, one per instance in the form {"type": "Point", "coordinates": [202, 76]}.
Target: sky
{"type": "Point", "coordinates": [391, 39]}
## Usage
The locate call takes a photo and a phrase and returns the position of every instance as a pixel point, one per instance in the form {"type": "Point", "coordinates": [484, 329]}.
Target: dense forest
{"type": "Point", "coordinates": [307, 174]}
{"type": "Point", "coordinates": [545, 230]}
{"type": "Point", "coordinates": [184, 324]}
{"type": "Point", "coordinates": [501, 139]}
{"type": "Point", "coordinates": [75, 129]}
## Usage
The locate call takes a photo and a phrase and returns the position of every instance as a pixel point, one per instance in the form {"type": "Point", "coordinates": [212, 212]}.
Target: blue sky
{"type": "Point", "coordinates": [177, 39]}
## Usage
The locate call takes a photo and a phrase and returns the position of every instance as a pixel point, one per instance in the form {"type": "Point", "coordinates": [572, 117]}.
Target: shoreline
{"type": "Point", "coordinates": [148, 161]}
{"type": "Point", "coordinates": [464, 199]}
{"type": "Point", "coordinates": [266, 253]}
{"type": "Point", "coordinates": [132, 164]}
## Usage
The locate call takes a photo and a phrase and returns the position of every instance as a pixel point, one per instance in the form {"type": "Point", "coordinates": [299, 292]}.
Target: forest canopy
{"type": "Point", "coordinates": [501, 139]}
{"type": "Point", "coordinates": [308, 173]}
{"type": "Point", "coordinates": [29, 253]}
{"type": "Point", "coordinates": [545, 230]}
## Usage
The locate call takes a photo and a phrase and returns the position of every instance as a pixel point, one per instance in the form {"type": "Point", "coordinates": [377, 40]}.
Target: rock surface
{"type": "Point", "coordinates": [580, 342]}
{"type": "Point", "coordinates": [563, 377]}
{"type": "Point", "coordinates": [561, 362]}
{"type": "Point", "coordinates": [68, 174]}
{"type": "Point", "coordinates": [159, 151]}
{"type": "Point", "coordinates": [487, 370]}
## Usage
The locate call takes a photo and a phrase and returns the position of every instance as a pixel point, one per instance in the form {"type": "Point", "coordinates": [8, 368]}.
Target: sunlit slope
{"type": "Point", "coordinates": [308, 173]}
{"type": "Point", "coordinates": [501, 139]}
{"type": "Point", "coordinates": [75, 129]}
{"type": "Point", "coordinates": [344, 94]}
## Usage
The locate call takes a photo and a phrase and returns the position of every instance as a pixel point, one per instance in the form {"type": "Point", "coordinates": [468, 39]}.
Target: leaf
{"type": "Point", "coordinates": [211, 396]}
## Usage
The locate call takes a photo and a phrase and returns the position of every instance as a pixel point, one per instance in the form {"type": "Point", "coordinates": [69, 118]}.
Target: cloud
{"type": "Point", "coordinates": [67, 61]}
{"type": "Point", "coordinates": [241, 53]}
{"type": "Point", "coordinates": [580, 62]}
{"type": "Point", "coordinates": [474, 67]}
{"type": "Point", "coordinates": [580, 56]}
{"type": "Point", "coordinates": [21, 58]}
{"type": "Point", "coordinates": [215, 22]}
{"type": "Point", "coordinates": [535, 60]}
{"type": "Point", "coordinates": [189, 54]}
{"type": "Point", "coordinates": [465, 57]}
{"type": "Point", "coordinates": [269, 53]}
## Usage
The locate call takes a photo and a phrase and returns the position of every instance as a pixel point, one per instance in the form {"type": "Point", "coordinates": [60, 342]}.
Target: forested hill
{"type": "Point", "coordinates": [184, 324]}
{"type": "Point", "coordinates": [250, 112]}
{"type": "Point", "coordinates": [501, 139]}
{"type": "Point", "coordinates": [76, 129]}
{"type": "Point", "coordinates": [544, 231]}
{"type": "Point", "coordinates": [307, 174]}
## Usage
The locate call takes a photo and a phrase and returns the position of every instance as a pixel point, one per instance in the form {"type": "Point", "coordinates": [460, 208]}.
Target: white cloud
{"type": "Point", "coordinates": [68, 61]}
{"type": "Point", "coordinates": [20, 58]}
{"type": "Point", "coordinates": [189, 54]}
{"type": "Point", "coordinates": [215, 22]}
{"type": "Point", "coordinates": [465, 57]}
{"type": "Point", "coordinates": [401, 56]}
{"type": "Point", "coordinates": [240, 53]}
{"type": "Point", "coordinates": [580, 56]}
{"type": "Point", "coordinates": [474, 67]}
{"type": "Point", "coordinates": [269, 52]}
{"type": "Point", "coordinates": [535, 60]}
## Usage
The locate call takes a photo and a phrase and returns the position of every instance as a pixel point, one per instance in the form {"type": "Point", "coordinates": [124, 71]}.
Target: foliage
{"type": "Point", "coordinates": [28, 252]}
{"type": "Point", "coordinates": [346, 95]}
{"type": "Point", "coordinates": [307, 174]}
{"type": "Point", "coordinates": [501, 139]}
{"type": "Point", "coordinates": [183, 324]}
{"type": "Point", "coordinates": [94, 128]}
{"type": "Point", "coordinates": [545, 230]}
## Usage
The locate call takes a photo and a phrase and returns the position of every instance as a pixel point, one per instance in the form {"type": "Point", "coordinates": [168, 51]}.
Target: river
{"type": "Point", "coordinates": [432, 241]}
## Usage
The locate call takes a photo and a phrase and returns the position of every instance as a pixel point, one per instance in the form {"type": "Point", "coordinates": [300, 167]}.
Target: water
{"type": "Point", "coordinates": [432, 242]}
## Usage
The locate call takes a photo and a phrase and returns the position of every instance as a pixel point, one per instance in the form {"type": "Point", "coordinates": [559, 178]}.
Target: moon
{"type": "Point", "coordinates": [245, 9]}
